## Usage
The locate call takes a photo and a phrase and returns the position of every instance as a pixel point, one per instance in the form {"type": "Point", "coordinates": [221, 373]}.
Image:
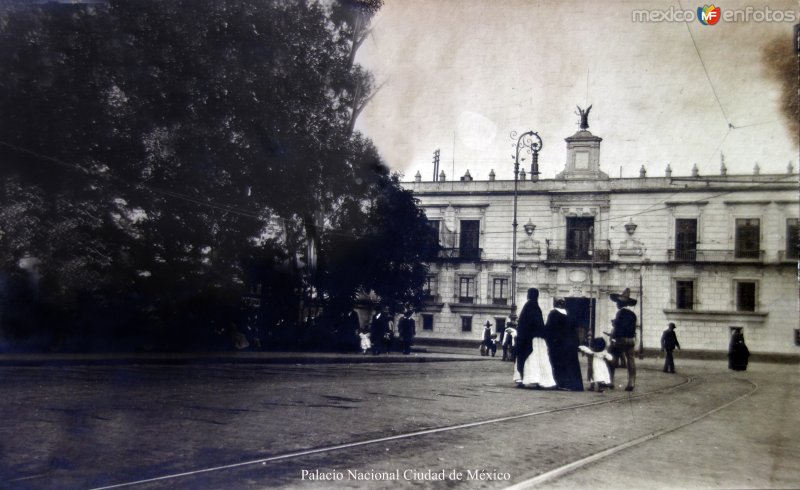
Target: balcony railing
{"type": "Point", "coordinates": [674, 255]}
{"type": "Point", "coordinates": [568, 254]}
{"type": "Point", "coordinates": [460, 254]}
{"type": "Point", "coordinates": [499, 301]}
{"type": "Point", "coordinates": [783, 256]}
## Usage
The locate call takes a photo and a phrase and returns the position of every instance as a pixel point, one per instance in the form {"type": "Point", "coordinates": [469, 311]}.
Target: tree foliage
{"type": "Point", "coordinates": [148, 149]}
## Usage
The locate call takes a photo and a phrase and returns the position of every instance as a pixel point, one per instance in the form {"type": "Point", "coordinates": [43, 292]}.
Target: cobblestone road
{"type": "Point", "coordinates": [217, 426]}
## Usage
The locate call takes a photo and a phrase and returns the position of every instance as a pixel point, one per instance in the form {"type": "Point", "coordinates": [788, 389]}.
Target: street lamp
{"type": "Point", "coordinates": [533, 143]}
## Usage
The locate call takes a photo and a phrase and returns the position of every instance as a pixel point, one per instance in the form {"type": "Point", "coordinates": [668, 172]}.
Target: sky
{"type": "Point", "coordinates": [461, 75]}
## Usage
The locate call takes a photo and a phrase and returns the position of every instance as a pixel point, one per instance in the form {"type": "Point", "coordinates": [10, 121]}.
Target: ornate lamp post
{"type": "Point", "coordinates": [531, 142]}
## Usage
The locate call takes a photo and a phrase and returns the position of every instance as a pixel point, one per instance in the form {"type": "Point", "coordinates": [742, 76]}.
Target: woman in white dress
{"type": "Point", "coordinates": [537, 371]}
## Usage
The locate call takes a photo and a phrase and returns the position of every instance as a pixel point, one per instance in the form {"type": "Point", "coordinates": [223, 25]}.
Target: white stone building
{"type": "Point", "coordinates": [708, 252]}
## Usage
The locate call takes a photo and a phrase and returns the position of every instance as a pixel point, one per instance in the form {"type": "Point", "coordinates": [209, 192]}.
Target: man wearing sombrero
{"type": "Point", "coordinates": [623, 336]}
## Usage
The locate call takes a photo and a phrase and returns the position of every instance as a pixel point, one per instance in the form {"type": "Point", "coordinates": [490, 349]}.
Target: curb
{"type": "Point", "coordinates": [212, 359]}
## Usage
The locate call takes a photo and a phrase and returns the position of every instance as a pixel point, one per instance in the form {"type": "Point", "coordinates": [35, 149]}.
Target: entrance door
{"type": "Point", "coordinates": [578, 313]}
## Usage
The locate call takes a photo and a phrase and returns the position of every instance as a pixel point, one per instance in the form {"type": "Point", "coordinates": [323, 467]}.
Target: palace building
{"type": "Point", "coordinates": [711, 253]}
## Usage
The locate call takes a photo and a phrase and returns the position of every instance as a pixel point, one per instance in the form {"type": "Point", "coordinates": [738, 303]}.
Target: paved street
{"type": "Point", "coordinates": [253, 425]}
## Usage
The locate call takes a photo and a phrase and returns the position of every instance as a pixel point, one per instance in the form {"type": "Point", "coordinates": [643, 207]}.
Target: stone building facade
{"type": "Point", "coordinates": [710, 253]}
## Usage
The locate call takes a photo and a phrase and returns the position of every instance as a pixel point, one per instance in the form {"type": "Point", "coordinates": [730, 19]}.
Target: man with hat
{"type": "Point", "coordinates": [407, 328]}
{"type": "Point", "coordinates": [488, 342]}
{"type": "Point", "coordinates": [669, 341]}
{"type": "Point", "coordinates": [623, 336]}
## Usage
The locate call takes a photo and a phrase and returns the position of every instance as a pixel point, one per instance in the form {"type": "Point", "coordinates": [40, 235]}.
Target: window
{"type": "Point", "coordinates": [469, 244]}
{"type": "Point", "coordinates": [747, 238]}
{"type": "Point", "coordinates": [466, 290]}
{"type": "Point", "coordinates": [466, 324]}
{"type": "Point", "coordinates": [430, 288]}
{"type": "Point", "coordinates": [745, 296]}
{"type": "Point", "coordinates": [427, 321]}
{"type": "Point", "coordinates": [791, 238]}
{"type": "Point", "coordinates": [435, 225]}
{"type": "Point", "coordinates": [579, 238]}
{"type": "Point", "coordinates": [500, 291]}
{"type": "Point", "coordinates": [684, 295]}
{"type": "Point", "coordinates": [686, 239]}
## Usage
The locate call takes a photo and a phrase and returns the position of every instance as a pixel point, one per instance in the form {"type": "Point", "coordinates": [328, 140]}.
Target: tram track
{"type": "Point", "coordinates": [296, 455]}
{"type": "Point", "coordinates": [572, 466]}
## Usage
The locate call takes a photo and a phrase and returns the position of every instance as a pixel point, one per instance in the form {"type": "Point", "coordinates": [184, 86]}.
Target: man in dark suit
{"type": "Point", "coordinates": [669, 341]}
{"type": "Point", "coordinates": [407, 327]}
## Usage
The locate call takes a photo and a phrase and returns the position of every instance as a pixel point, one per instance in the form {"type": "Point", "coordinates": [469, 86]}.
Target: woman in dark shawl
{"type": "Point", "coordinates": [533, 362]}
{"type": "Point", "coordinates": [563, 347]}
{"type": "Point", "coordinates": [738, 353]}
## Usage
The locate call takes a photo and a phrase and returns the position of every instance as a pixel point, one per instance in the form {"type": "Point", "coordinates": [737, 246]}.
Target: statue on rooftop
{"type": "Point", "coordinates": [584, 116]}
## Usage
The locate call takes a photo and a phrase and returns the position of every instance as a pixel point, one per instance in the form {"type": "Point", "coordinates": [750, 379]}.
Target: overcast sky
{"type": "Point", "coordinates": [460, 75]}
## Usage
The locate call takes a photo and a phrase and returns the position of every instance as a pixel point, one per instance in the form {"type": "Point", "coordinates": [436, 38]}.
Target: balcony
{"type": "Point", "coordinates": [690, 256]}
{"type": "Point", "coordinates": [559, 253]}
{"type": "Point", "coordinates": [460, 254]}
{"type": "Point", "coordinates": [791, 256]}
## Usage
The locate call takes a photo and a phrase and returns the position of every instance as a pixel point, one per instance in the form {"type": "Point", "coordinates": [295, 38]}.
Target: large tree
{"type": "Point", "coordinates": [149, 149]}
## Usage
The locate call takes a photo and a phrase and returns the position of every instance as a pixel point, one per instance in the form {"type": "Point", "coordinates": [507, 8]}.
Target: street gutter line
{"type": "Point", "coordinates": [570, 467]}
{"type": "Point", "coordinates": [390, 438]}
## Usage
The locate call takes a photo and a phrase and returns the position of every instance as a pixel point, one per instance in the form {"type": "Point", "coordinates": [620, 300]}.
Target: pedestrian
{"type": "Point", "coordinates": [390, 336]}
{"type": "Point", "coordinates": [623, 336]}
{"type": "Point", "coordinates": [669, 342]}
{"type": "Point", "coordinates": [509, 344]}
{"type": "Point", "coordinates": [378, 329]}
{"type": "Point", "coordinates": [738, 353]}
{"type": "Point", "coordinates": [533, 362]}
{"type": "Point", "coordinates": [350, 329]}
{"type": "Point", "coordinates": [488, 344]}
{"type": "Point", "coordinates": [562, 343]}
{"type": "Point", "coordinates": [407, 328]}
{"type": "Point", "coordinates": [366, 345]}
{"type": "Point", "coordinates": [600, 359]}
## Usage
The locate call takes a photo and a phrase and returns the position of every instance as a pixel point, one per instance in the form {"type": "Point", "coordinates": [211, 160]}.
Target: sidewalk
{"type": "Point", "coordinates": [237, 357]}
{"type": "Point", "coordinates": [425, 353]}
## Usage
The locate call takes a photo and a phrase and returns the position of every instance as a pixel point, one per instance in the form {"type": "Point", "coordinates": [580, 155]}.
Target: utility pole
{"type": "Point", "coordinates": [590, 333]}
{"type": "Point", "coordinates": [641, 314]}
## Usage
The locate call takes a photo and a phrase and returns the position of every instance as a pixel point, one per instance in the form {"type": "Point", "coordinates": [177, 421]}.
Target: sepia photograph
{"type": "Point", "coordinates": [369, 244]}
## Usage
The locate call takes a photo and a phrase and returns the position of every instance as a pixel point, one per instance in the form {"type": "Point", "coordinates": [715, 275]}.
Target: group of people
{"type": "Point", "coordinates": [547, 351]}
{"type": "Point", "coordinates": [380, 337]}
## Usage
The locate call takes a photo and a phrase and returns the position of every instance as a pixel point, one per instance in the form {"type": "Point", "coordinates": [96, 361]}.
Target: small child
{"type": "Point", "coordinates": [366, 345]}
{"type": "Point", "coordinates": [509, 344]}
{"type": "Point", "coordinates": [600, 358]}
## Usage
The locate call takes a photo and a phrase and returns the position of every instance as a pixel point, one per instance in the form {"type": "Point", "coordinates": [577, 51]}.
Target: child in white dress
{"type": "Point", "coordinates": [366, 345]}
{"type": "Point", "coordinates": [599, 356]}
